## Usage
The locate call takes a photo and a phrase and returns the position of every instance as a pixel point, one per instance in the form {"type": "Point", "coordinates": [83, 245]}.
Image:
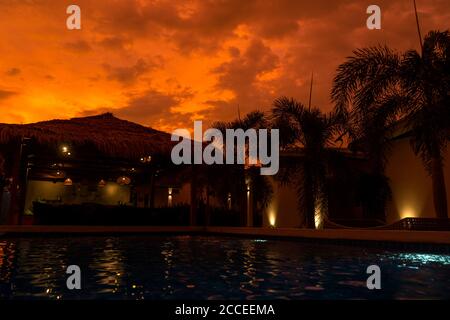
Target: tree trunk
{"type": "Point", "coordinates": [207, 205]}
{"type": "Point", "coordinates": [17, 188]}
{"type": "Point", "coordinates": [2, 219]}
{"type": "Point", "coordinates": [250, 207]}
{"type": "Point", "coordinates": [439, 189]}
{"type": "Point", "coordinates": [2, 184]}
{"type": "Point", "coordinates": [310, 212]}
{"type": "Point", "coordinates": [151, 203]}
{"type": "Point", "coordinates": [309, 202]}
{"type": "Point", "coordinates": [193, 211]}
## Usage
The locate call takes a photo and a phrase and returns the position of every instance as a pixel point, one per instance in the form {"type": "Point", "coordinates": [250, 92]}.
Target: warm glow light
{"type": "Point", "coordinates": [123, 180]}
{"type": "Point", "coordinates": [169, 197]}
{"type": "Point", "coordinates": [68, 182]}
{"type": "Point", "coordinates": [229, 201]}
{"type": "Point", "coordinates": [272, 219]}
{"type": "Point", "coordinates": [410, 199]}
{"type": "Point", "coordinates": [111, 189]}
{"type": "Point", "coordinates": [408, 212]}
{"type": "Point", "coordinates": [146, 159]}
{"type": "Point", "coordinates": [65, 150]}
{"type": "Point", "coordinates": [318, 217]}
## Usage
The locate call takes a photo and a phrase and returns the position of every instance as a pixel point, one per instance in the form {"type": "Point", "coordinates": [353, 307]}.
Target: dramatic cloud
{"type": "Point", "coordinates": [78, 46]}
{"type": "Point", "coordinates": [115, 43]}
{"type": "Point", "coordinates": [5, 94]}
{"type": "Point", "coordinates": [244, 75]}
{"type": "Point", "coordinates": [165, 63]}
{"type": "Point", "coordinates": [127, 75]}
{"type": "Point", "coordinates": [13, 72]}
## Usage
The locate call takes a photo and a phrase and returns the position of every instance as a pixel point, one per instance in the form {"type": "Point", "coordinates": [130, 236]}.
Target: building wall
{"type": "Point", "coordinates": [411, 185]}
{"type": "Point", "coordinates": [111, 194]}
{"type": "Point", "coordinates": [167, 197]}
{"type": "Point", "coordinates": [282, 211]}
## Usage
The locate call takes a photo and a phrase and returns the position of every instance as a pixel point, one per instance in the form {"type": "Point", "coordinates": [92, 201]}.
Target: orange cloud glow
{"type": "Point", "coordinates": [164, 63]}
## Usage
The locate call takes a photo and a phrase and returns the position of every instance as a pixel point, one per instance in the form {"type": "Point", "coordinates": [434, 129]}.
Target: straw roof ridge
{"type": "Point", "coordinates": [110, 135]}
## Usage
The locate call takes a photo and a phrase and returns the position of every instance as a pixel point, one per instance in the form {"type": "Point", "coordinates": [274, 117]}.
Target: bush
{"type": "Point", "coordinates": [101, 215]}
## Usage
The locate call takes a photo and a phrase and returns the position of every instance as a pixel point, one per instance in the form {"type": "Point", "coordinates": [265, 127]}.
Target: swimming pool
{"type": "Point", "coordinates": [209, 267]}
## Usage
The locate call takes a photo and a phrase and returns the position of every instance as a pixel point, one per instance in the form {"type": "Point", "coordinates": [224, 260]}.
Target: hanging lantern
{"type": "Point", "coordinates": [58, 175]}
{"type": "Point", "coordinates": [65, 150]}
{"type": "Point", "coordinates": [102, 183]}
{"type": "Point", "coordinates": [68, 182]}
{"type": "Point", "coordinates": [123, 181]}
{"type": "Point", "coordinates": [146, 159]}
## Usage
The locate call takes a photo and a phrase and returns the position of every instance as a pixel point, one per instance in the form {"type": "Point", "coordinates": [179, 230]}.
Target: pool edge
{"type": "Point", "coordinates": [398, 236]}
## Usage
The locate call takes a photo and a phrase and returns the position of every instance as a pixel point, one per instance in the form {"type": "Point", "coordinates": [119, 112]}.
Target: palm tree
{"type": "Point", "coordinates": [414, 87]}
{"type": "Point", "coordinates": [313, 131]}
{"type": "Point", "coordinates": [369, 128]}
{"type": "Point", "coordinates": [236, 179]}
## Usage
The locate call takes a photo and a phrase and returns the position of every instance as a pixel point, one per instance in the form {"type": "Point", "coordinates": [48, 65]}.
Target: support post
{"type": "Point", "coordinates": [18, 185]}
{"type": "Point", "coordinates": [193, 209]}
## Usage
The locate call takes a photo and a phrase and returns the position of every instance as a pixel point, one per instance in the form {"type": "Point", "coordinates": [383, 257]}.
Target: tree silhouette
{"type": "Point", "coordinates": [313, 132]}
{"type": "Point", "coordinates": [377, 87]}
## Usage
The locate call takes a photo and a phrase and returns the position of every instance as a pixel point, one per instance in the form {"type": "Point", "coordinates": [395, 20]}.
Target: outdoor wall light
{"type": "Point", "coordinates": [60, 174]}
{"type": "Point", "coordinates": [169, 197]}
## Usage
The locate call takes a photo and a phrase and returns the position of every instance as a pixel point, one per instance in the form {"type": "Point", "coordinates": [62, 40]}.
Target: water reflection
{"type": "Point", "coordinates": [108, 267]}
{"type": "Point", "coordinates": [167, 252]}
{"type": "Point", "coordinates": [197, 267]}
{"type": "Point", "coordinates": [7, 256]}
{"type": "Point", "coordinates": [423, 258]}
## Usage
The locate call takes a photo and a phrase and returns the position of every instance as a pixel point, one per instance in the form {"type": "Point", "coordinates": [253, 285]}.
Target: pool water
{"type": "Point", "coordinates": [203, 267]}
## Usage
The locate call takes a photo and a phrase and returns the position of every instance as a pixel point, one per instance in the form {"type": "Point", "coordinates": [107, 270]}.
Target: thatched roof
{"type": "Point", "coordinates": [109, 135]}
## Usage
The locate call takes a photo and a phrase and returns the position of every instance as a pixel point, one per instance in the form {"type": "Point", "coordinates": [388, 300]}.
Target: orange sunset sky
{"type": "Point", "coordinates": [166, 63]}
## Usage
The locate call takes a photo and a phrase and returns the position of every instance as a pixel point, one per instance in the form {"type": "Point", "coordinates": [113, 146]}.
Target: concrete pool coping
{"type": "Point", "coordinates": [395, 236]}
